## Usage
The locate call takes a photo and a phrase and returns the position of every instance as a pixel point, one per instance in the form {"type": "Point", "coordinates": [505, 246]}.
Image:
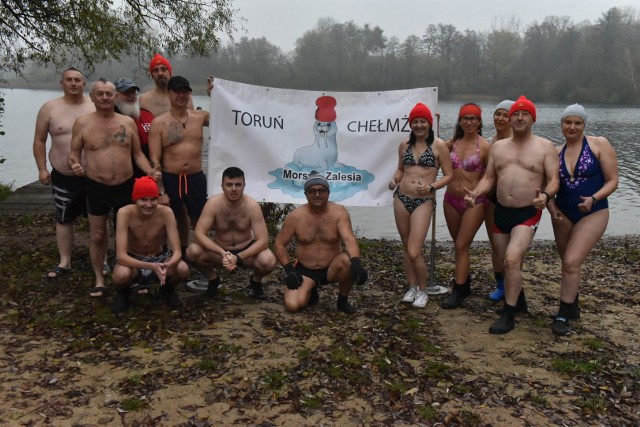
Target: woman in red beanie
{"type": "Point", "coordinates": [415, 185]}
{"type": "Point", "coordinates": [469, 156]}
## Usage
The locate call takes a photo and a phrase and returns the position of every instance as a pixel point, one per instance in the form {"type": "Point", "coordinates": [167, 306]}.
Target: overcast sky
{"type": "Point", "coordinates": [281, 22]}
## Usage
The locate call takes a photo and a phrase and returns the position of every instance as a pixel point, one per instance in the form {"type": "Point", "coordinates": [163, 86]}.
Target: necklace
{"type": "Point", "coordinates": [180, 121]}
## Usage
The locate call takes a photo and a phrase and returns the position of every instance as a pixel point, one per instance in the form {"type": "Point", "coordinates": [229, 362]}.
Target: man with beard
{"type": "Point", "coordinates": [524, 169]}
{"type": "Point", "coordinates": [108, 141]}
{"type": "Point", "coordinates": [127, 103]}
{"type": "Point", "coordinates": [156, 100]}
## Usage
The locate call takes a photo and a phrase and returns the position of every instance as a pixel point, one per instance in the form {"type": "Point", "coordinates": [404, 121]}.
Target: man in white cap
{"type": "Point", "coordinates": [128, 104]}
{"type": "Point", "coordinates": [319, 227]}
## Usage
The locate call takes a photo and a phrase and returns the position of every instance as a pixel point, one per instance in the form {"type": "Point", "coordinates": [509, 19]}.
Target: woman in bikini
{"type": "Point", "coordinates": [469, 156]}
{"type": "Point", "coordinates": [415, 187]}
{"type": "Point", "coordinates": [580, 211]}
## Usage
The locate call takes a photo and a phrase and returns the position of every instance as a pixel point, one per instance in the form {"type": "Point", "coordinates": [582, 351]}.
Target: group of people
{"type": "Point", "coordinates": [506, 182]}
{"type": "Point", "coordinates": [140, 156]}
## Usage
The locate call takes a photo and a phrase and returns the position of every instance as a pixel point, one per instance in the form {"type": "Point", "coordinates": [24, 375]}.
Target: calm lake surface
{"type": "Point", "coordinates": [620, 125]}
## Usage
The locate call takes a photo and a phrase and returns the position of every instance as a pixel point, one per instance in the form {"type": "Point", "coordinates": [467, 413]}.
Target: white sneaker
{"type": "Point", "coordinates": [410, 296]}
{"type": "Point", "coordinates": [437, 290]}
{"type": "Point", "coordinates": [421, 299]}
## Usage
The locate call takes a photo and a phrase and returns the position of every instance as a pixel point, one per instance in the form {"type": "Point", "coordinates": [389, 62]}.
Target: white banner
{"type": "Point", "coordinates": [278, 136]}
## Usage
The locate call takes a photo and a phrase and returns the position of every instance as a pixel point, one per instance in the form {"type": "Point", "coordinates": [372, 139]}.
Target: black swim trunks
{"type": "Point", "coordinates": [318, 275]}
{"type": "Point", "coordinates": [102, 198]}
{"type": "Point", "coordinates": [187, 190]}
{"type": "Point", "coordinates": [69, 196]}
{"type": "Point", "coordinates": [505, 219]}
{"type": "Point", "coordinates": [237, 251]}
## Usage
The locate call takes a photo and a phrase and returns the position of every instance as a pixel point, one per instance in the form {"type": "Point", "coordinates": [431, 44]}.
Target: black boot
{"type": "Point", "coordinates": [168, 292]}
{"type": "Point", "coordinates": [520, 307]}
{"type": "Point", "coordinates": [458, 294]}
{"type": "Point", "coordinates": [212, 287]}
{"type": "Point", "coordinates": [506, 322]}
{"type": "Point", "coordinates": [344, 306]}
{"type": "Point", "coordinates": [574, 311]}
{"type": "Point", "coordinates": [258, 291]}
{"type": "Point", "coordinates": [314, 297]}
{"type": "Point", "coordinates": [121, 302]}
{"type": "Point", "coordinates": [560, 324]}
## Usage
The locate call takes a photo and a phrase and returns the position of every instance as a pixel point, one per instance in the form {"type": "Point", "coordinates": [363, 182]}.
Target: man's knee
{"type": "Point", "coordinates": [292, 304]}
{"type": "Point", "coordinates": [265, 262]}
{"type": "Point", "coordinates": [194, 252]}
{"type": "Point", "coordinates": [121, 276]}
{"type": "Point", "coordinates": [180, 272]}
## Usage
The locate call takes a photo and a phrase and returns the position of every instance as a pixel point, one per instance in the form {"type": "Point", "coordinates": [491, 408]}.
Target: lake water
{"type": "Point", "coordinates": [620, 125]}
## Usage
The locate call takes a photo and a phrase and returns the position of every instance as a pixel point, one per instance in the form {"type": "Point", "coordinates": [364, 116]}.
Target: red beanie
{"type": "Point", "coordinates": [326, 111]}
{"type": "Point", "coordinates": [470, 110]}
{"type": "Point", "coordinates": [159, 60]}
{"type": "Point", "coordinates": [523, 103]}
{"type": "Point", "coordinates": [421, 111]}
{"type": "Point", "coordinates": [144, 187]}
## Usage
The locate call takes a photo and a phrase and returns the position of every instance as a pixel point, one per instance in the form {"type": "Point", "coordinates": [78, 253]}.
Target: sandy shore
{"type": "Point", "coordinates": [67, 360]}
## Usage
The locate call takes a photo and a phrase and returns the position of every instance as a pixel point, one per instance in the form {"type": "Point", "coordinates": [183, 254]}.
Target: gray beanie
{"type": "Point", "coordinates": [574, 110]}
{"type": "Point", "coordinates": [315, 179]}
{"type": "Point", "coordinates": [504, 105]}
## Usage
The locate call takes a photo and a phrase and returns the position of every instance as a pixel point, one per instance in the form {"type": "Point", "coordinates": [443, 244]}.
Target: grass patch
{"type": "Point", "coordinates": [5, 190]}
{"type": "Point", "coordinates": [436, 370]}
{"type": "Point", "coordinates": [312, 401]}
{"type": "Point", "coordinates": [568, 366]}
{"type": "Point", "coordinates": [133, 404]}
{"type": "Point", "coordinates": [304, 353]}
{"type": "Point", "coordinates": [426, 412]}
{"type": "Point", "coordinates": [594, 344]}
{"type": "Point", "coordinates": [592, 404]}
{"type": "Point", "coordinates": [208, 365]}
{"type": "Point", "coordinates": [470, 418]}
{"type": "Point", "coordinates": [273, 380]}
{"type": "Point", "coordinates": [539, 400]}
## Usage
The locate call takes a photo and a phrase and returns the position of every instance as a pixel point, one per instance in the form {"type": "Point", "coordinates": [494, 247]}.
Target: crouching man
{"type": "Point", "coordinates": [319, 227]}
{"type": "Point", "coordinates": [143, 231]}
{"type": "Point", "coordinates": [231, 233]}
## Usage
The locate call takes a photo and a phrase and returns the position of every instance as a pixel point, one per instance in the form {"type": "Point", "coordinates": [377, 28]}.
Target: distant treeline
{"type": "Point", "coordinates": [553, 61]}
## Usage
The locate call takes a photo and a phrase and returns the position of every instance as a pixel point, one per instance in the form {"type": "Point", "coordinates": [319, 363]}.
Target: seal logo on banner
{"type": "Point", "coordinates": [322, 156]}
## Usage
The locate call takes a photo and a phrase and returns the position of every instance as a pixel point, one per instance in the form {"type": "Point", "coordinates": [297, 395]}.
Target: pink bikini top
{"type": "Point", "coordinates": [470, 164]}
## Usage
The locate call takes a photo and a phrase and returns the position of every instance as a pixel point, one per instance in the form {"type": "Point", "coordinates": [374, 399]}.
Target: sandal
{"type": "Point", "coordinates": [102, 289]}
{"type": "Point", "coordinates": [57, 273]}
{"type": "Point", "coordinates": [106, 269]}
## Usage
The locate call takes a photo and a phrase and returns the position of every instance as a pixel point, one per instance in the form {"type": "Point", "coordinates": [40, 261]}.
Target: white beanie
{"type": "Point", "coordinates": [574, 110]}
{"type": "Point", "coordinates": [504, 105]}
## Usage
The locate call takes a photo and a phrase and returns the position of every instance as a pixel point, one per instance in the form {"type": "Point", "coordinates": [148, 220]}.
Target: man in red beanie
{"type": "Point", "coordinates": [143, 232]}
{"type": "Point", "coordinates": [156, 100]}
{"type": "Point", "coordinates": [524, 169]}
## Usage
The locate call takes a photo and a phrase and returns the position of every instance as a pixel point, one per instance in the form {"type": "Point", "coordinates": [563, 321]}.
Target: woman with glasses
{"type": "Point", "coordinates": [415, 185]}
{"type": "Point", "coordinates": [469, 156]}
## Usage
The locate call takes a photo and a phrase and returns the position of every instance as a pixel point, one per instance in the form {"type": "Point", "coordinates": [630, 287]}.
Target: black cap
{"type": "Point", "coordinates": [177, 83]}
